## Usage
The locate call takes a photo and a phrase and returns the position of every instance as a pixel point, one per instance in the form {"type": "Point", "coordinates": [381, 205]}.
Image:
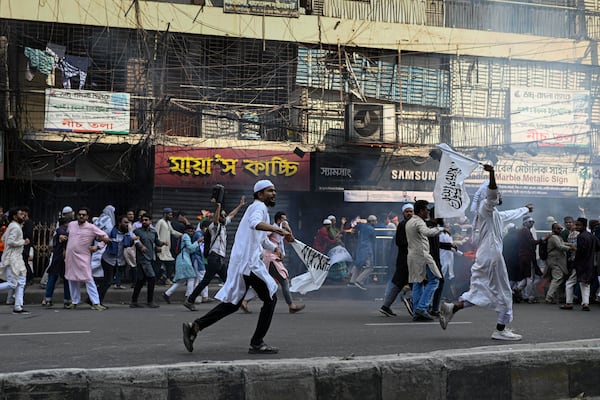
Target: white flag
{"type": "Point", "coordinates": [318, 267]}
{"type": "Point", "coordinates": [451, 198]}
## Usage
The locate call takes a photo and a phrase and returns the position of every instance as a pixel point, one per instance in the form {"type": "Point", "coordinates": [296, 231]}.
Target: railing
{"type": "Point", "coordinates": [42, 238]}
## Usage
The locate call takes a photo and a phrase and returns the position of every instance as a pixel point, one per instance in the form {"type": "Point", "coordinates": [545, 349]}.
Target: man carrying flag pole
{"type": "Point", "coordinates": [489, 286]}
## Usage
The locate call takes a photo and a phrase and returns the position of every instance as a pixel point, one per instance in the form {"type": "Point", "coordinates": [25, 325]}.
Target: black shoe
{"type": "Point", "coordinates": [408, 304]}
{"type": "Point", "coordinates": [422, 315]}
{"type": "Point", "coordinates": [188, 336]}
{"type": "Point", "coordinates": [167, 298]}
{"type": "Point", "coordinates": [189, 306]}
{"type": "Point", "coordinates": [21, 311]}
{"type": "Point", "coordinates": [387, 311]}
{"type": "Point", "coordinates": [135, 305]}
{"type": "Point", "coordinates": [262, 348]}
{"type": "Point", "coordinates": [152, 305]}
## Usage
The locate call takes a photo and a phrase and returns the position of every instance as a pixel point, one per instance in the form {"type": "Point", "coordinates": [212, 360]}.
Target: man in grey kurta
{"type": "Point", "coordinates": [557, 261]}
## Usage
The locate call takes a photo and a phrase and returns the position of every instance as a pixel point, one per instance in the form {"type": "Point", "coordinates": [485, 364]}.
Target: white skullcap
{"type": "Point", "coordinates": [67, 210]}
{"type": "Point", "coordinates": [407, 206]}
{"type": "Point", "coordinates": [326, 222]}
{"type": "Point", "coordinates": [331, 217]}
{"type": "Point", "coordinates": [371, 218]}
{"type": "Point", "coordinates": [262, 184]}
{"type": "Point", "coordinates": [528, 218]}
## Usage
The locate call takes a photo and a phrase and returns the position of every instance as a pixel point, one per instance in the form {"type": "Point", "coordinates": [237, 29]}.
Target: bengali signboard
{"type": "Point", "coordinates": [549, 117]}
{"type": "Point", "coordinates": [411, 176]}
{"type": "Point", "coordinates": [530, 178]}
{"type": "Point", "coordinates": [86, 111]}
{"type": "Point", "coordinates": [337, 172]}
{"type": "Point", "coordinates": [184, 167]}
{"type": "Point", "coordinates": [279, 8]}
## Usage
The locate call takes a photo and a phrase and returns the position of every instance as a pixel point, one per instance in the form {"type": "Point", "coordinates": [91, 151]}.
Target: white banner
{"type": "Point", "coordinates": [86, 111]}
{"type": "Point", "coordinates": [338, 254]}
{"type": "Point", "coordinates": [317, 264]}
{"type": "Point", "coordinates": [451, 198]}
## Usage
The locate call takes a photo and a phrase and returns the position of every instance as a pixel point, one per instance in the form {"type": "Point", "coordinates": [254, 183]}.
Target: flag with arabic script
{"type": "Point", "coordinates": [451, 198]}
{"type": "Point", "coordinates": [317, 265]}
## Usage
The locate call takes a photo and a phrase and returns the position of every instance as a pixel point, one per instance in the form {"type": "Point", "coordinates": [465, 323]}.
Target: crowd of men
{"type": "Point", "coordinates": [506, 265]}
{"type": "Point", "coordinates": [503, 260]}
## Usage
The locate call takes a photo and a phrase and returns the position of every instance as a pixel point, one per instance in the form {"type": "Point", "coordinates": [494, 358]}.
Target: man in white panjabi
{"type": "Point", "coordinates": [246, 269]}
{"type": "Point", "coordinates": [489, 286]}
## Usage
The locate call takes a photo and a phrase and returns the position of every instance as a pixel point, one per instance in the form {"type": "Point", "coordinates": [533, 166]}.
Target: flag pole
{"type": "Point", "coordinates": [448, 149]}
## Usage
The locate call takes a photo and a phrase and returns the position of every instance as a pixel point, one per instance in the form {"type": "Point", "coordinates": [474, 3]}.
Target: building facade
{"type": "Point", "coordinates": [149, 104]}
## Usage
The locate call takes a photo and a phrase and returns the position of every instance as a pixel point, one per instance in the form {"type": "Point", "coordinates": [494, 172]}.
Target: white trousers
{"type": "Point", "coordinates": [190, 285]}
{"type": "Point", "coordinates": [14, 283]}
{"type": "Point", "coordinates": [199, 276]}
{"type": "Point", "coordinates": [90, 287]}
{"type": "Point", "coordinates": [570, 286]}
{"type": "Point", "coordinates": [504, 318]}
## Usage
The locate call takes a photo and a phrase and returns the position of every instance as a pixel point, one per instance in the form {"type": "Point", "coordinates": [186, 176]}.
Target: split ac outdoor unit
{"type": "Point", "coordinates": [370, 123]}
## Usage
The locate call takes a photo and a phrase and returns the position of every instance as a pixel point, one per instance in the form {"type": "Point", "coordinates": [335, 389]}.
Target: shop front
{"type": "Point", "coordinates": [184, 179]}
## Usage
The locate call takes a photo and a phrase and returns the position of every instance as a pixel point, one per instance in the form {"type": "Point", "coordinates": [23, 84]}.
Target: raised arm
{"type": "Point", "coordinates": [239, 206]}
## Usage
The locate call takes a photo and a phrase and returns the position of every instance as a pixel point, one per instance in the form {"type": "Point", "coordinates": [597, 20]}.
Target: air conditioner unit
{"type": "Point", "coordinates": [370, 123]}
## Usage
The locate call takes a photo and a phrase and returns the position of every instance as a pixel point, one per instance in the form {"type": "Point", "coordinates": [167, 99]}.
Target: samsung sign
{"type": "Point", "coordinates": [412, 175]}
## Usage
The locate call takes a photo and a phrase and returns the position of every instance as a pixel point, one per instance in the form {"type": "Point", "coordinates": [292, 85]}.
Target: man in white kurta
{"type": "Point", "coordinates": [12, 265]}
{"type": "Point", "coordinates": [489, 287]}
{"type": "Point", "coordinates": [165, 230]}
{"type": "Point", "coordinates": [246, 269]}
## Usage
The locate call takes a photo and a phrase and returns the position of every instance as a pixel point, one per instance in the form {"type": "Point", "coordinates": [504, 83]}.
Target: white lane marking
{"type": "Point", "coordinates": [43, 333]}
{"type": "Point", "coordinates": [413, 323]}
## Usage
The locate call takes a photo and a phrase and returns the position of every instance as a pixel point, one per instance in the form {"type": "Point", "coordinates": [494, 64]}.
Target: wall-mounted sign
{"type": "Point", "coordinates": [86, 111]}
{"type": "Point", "coordinates": [552, 118]}
{"type": "Point", "coordinates": [530, 178]}
{"type": "Point", "coordinates": [185, 167]}
{"type": "Point", "coordinates": [279, 8]}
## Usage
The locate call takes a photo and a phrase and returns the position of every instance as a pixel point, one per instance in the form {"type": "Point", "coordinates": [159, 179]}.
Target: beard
{"type": "Point", "coordinates": [270, 203]}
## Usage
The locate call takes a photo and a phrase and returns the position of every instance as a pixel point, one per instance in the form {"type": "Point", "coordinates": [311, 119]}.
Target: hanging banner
{"type": "Point", "coordinates": [451, 198]}
{"type": "Point", "coordinates": [550, 117]}
{"type": "Point", "coordinates": [86, 111]}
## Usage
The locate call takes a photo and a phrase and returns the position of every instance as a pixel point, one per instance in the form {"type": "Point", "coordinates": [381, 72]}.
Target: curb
{"type": "Point", "coordinates": [550, 371]}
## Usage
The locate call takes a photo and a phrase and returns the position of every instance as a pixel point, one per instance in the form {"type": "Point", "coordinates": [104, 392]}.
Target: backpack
{"type": "Point", "coordinates": [178, 247]}
{"type": "Point", "coordinates": [543, 250]}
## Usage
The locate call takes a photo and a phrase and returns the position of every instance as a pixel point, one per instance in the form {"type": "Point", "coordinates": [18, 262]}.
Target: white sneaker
{"type": "Point", "coordinates": [506, 334]}
{"type": "Point", "coordinates": [446, 314]}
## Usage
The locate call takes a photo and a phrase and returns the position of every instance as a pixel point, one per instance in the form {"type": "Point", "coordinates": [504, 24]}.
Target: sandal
{"type": "Point", "coordinates": [244, 307]}
{"type": "Point", "coordinates": [262, 348]}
